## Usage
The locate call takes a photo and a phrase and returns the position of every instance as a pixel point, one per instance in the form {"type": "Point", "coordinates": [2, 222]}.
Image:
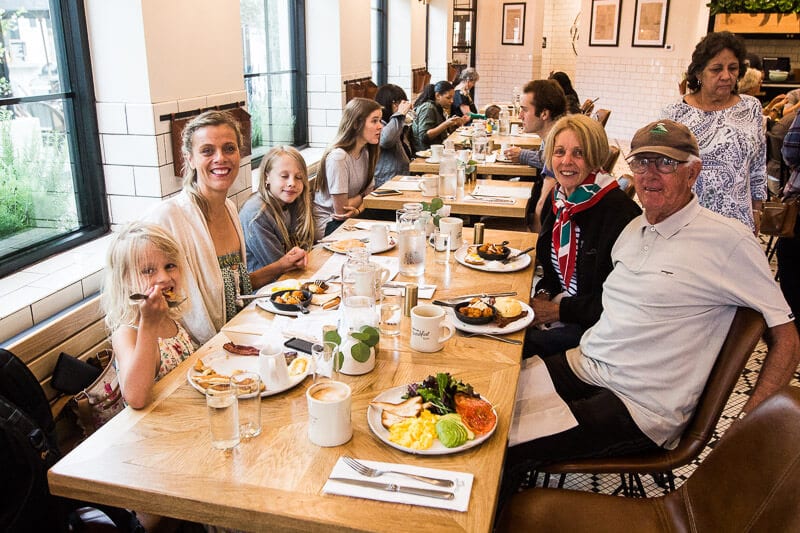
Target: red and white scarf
{"type": "Point", "coordinates": [587, 194]}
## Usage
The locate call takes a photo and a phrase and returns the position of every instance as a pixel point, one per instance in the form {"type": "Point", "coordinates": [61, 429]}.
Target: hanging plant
{"type": "Point", "coordinates": [754, 6]}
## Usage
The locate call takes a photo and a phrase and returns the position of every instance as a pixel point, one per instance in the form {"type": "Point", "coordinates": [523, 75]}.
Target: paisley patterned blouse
{"type": "Point", "coordinates": [733, 149]}
{"type": "Point", "coordinates": [235, 280]}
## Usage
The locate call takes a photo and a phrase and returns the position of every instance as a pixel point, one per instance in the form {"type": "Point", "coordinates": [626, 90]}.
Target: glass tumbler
{"type": "Point", "coordinates": [248, 387]}
{"type": "Point", "coordinates": [223, 415]}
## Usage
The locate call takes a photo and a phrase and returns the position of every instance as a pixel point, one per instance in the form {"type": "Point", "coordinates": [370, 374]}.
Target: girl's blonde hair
{"type": "Point", "coordinates": [354, 118]}
{"type": "Point", "coordinates": [303, 235]}
{"type": "Point", "coordinates": [591, 136]}
{"type": "Point", "coordinates": [203, 120]}
{"type": "Point", "coordinates": [124, 261]}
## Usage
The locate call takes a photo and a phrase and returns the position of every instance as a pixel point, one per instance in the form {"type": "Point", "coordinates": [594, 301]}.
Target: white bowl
{"type": "Point", "coordinates": [778, 75]}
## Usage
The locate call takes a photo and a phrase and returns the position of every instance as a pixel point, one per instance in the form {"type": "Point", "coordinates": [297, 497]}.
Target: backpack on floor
{"type": "Point", "coordinates": [28, 448]}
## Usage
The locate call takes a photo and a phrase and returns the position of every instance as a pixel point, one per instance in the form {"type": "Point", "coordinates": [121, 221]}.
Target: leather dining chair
{"type": "Point", "coordinates": [749, 482]}
{"type": "Point", "coordinates": [745, 331]}
{"type": "Point", "coordinates": [602, 115]}
{"type": "Point", "coordinates": [611, 160]}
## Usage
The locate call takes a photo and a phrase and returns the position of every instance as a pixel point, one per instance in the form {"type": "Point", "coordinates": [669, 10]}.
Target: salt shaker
{"type": "Point", "coordinates": [412, 292]}
{"type": "Point", "coordinates": [478, 236]}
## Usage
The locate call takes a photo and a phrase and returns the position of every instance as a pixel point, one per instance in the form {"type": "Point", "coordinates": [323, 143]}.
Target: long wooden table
{"type": "Point", "coordinates": [159, 459]}
{"type": "Point", "coordinates": [420, 165]}
{"type": "Point", "coordinates": [459, 206]}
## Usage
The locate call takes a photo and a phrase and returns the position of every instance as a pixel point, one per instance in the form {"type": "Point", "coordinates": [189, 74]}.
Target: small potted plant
{"type": "Point", "coordinates": [355, 355]}
{"type": "Point", "coordinates": [437, 210]}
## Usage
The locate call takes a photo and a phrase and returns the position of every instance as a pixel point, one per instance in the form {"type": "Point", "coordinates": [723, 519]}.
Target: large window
{"type": "Point", "coordinates": [51, 192]}
{"type": "Point", "coordinates": [273, 33]}
{"type": "Point", "coordinates": [379, 23]}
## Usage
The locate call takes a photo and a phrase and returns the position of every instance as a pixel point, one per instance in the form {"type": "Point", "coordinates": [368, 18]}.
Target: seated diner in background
{"type": "Point", "coordinates": [277, 220]}
{"type": "Point", "coordinates": [573, 103]}
{"type": "Point", "coordinates": [431, 125]}
{"type": "Point", "coordinates": [542, 104]}
{"type": "Point", "coordinates": [395, 152]}
{"type": "Point", "coordinates": [463, 104]}
{"type": "Point", "coordinates": [347, 167]}
{"type": "Point", "coordinates": [630, 385]}
{"type": "Point", "coordinates": [582, 219]}
{"type": "Point", "coordinates": [147, 339]}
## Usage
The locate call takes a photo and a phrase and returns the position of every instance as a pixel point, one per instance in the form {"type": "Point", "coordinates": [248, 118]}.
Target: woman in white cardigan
{"type": "Point", "coordinates": [205, 224]}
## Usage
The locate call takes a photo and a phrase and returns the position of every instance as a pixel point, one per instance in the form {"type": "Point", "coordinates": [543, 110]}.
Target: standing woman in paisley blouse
{"type": "Point", "coordinates": [728, 128]}
{"type": "Point", "coordinates": [205, 224]}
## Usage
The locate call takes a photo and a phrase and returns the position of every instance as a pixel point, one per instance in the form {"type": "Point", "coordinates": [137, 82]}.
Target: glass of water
{"type": "Point", "coordinates": [391, 311]}
{"type": "Point", "coordinates": [441, 246]}
{"type": "Point", "coordinates": [248, 389]}
{"type": "Point", "coordinates": [223, 415]}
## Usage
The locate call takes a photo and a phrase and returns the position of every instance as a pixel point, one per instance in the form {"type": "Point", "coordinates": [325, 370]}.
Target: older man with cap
{"type": "Point", "coordinates": [680, 272]}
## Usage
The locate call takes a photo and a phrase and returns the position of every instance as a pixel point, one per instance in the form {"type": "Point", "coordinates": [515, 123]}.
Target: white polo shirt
{"type": "Point", "coordinates": [667, 307]}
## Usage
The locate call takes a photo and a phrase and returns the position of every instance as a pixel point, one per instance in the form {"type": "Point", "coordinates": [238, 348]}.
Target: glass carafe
{"type": "Point", "coordinates": [361, 281]}
{"type": "Point", "coordinates": [411, 244]}
{"type": "Point", "coordinates": [447, 175]}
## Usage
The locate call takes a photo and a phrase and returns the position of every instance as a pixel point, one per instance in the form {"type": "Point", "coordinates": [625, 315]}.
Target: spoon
{"type": "Point", "coordinates": [170, 303]}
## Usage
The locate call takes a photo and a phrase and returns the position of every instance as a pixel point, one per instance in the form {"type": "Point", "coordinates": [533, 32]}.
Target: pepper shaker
{"type": "Point", "coordinates": [410, 301]}
{"type": "Point", "coordinates": [478, 235]}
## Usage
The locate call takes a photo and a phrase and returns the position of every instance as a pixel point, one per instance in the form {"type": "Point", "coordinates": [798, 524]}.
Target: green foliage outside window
{"type": "Point", "coordinates": [754, 6]}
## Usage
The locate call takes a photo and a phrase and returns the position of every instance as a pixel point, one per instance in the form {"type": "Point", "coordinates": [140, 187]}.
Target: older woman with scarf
{"type": "Point", "coordinates": [582, 218]}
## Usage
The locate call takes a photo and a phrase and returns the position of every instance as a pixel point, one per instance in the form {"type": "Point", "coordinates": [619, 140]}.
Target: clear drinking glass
{"type": "Point", "coordinates": [223, 415]}
{"type": "Point", "coordinates": [411, 245]}
{"type": "Point", "coordinates": [441, 246]}
{"type": "Point", "coordinates": [248, 386]}
{"type": "Point", "coordinates": [391, 311]}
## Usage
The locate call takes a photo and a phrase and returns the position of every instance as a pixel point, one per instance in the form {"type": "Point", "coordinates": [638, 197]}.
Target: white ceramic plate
{"type": "Point", "coordinates": [224, 363]}
{"type": "Point", "coordinates": [394, 395]}
{"type": "Point", "coordinates": [424, 153]}
{"type": "Point", "coordinates": [491, 327]}
{"type": "Point", "coordinates": [267, 290]}
{"type": "Point", "coordinates": [432, 160]}
{"type": "Point", "coordinates": [519, 263]}
{"type": "Point", "coordinates": [392, 243]}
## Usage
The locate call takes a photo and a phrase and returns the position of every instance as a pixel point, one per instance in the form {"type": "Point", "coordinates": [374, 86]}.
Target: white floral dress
{"type": "Point", "coordinates": [734, 151]}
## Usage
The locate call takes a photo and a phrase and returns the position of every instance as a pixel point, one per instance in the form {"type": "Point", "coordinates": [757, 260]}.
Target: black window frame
{"type": "Point", "coordinates": [297, 40]}
{"type": "Point", "coordinates": [383, 41]}
{"type": "Point", "coordinates": [71, 38]}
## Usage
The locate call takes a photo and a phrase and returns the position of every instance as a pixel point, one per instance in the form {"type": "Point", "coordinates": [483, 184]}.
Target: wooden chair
{"type": "Point", "coordinates": [370, 89]}
{"type": "Point", "coordinates": [745, 332]}
{"type": "Point", "coordinates": [353, 89]}
{"type": "Point", "coordinates": [601, 116]}
{"type": "Point", "coordinates": [749, 482]}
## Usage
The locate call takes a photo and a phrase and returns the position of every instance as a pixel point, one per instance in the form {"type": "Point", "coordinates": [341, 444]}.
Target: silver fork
{"type": "Point", "coordinates": [321, 282]}
{"type": "Point", "coordinates": [170, 303]}
{"type": "Point", "coordinates": [364, 470]}
{"type": "Point", "coordinates": [495, 337]}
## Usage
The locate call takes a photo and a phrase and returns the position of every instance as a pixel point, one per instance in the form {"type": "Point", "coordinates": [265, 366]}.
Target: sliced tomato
{"type": "Point", "coordinates": [476, 413]}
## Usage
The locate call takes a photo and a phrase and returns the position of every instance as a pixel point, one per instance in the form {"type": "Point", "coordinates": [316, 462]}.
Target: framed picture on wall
{"type": "Point", "coordinates": [605, 23]}
{"type": "Point", "coordinates": [650, 23]}
{"type": "Point", "coordinates": [514, 24]}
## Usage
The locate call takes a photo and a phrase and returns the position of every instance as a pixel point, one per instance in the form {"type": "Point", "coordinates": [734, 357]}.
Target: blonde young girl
{"type": "Point", "coordinates": [277, 220]}
{"type": "Point", "coordinates": [147, 339]}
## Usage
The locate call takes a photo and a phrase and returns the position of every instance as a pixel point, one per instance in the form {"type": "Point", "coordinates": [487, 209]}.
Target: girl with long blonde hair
{"type": "Point", "coordinates": [277, 220]}
{"type": "Point", "coordinates": [147, 338]}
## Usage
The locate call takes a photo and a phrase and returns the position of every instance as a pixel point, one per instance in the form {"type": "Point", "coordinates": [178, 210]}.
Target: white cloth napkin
{"type": "Point", "coordinates": [308, 327]}
{"type": "Point", "coordinates": [484, 200]}
{"type": "Point", "coordinates": [506, 192]}
{"type": "Point", "coordinates": [425, 292]}
{"type": "Point", "coordinates": [462, 488]}
{"type": "Point", "coordinates": [401, 185]}
{"type": "Point", "coordinates": [538, 410]}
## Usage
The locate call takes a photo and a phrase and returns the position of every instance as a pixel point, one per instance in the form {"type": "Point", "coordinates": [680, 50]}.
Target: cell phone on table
{"type": "Point", "coordinates": [300, 345]}
{"type": "Point", "coordinates": [385, 192]}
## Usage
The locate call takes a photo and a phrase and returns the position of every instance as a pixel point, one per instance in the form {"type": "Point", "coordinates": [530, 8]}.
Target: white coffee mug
{"type": "Point", "coordinates": [453, 226]}
{"type": "Point", "coordinates": [429, 185]}
{"type": "Point", "coordinates": [329, 405]}
{"type": "Point", "coordinates": [273, 369]}
{"type": "Point", "coordinates": [429, 329]}
{"type": "Point", "coordinates": [378, 237]}
{"type": "Point", "coordinates": [436, 152]}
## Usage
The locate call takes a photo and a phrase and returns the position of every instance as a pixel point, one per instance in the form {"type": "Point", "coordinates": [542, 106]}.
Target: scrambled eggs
{"type": "Point", "coordinates": [417, 433]}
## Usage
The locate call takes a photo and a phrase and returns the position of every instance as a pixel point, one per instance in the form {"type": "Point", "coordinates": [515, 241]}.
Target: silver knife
{"type": "Point", "coordinates": [480, 295]}
{"type": "Point", "coordinates": [511, 257]}
{"type": "Point", "coordinates": [393, 487]}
